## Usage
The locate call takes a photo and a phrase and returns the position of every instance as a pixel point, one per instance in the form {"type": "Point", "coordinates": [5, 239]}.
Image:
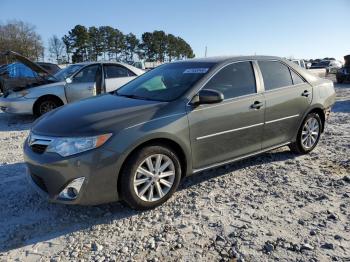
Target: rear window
{"type": "Point", "coordinates": [115, 71]}
{"type": "Point", "coordinates": [275, 74]}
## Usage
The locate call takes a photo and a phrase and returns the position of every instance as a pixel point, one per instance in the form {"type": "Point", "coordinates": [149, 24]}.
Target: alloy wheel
{"type": "Point", "coordinates": [154, 177]}
{"type": "Point", "coordinates": [47, 106]}
{"type": "Point", "coordinates": [310, 133]}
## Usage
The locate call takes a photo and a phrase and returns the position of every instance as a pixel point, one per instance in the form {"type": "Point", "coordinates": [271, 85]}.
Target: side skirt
{"type": "Point", "coordinates": [239, 158]}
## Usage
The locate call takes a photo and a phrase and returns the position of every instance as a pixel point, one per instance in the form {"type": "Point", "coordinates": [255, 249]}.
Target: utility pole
{"type": "Point", "coordinates": [205, 52]}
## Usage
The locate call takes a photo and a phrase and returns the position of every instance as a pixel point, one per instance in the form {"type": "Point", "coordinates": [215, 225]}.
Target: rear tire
{"type": "Point", "coordinates": [308, 135]}
{"type": "Point", "coordinates": [45, 105]}
{"type": "Point", "coordinates": [159, 177]}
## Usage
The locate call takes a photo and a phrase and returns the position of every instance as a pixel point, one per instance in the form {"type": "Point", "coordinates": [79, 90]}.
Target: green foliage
{"type": "Point", "coordinates": [105, 42]}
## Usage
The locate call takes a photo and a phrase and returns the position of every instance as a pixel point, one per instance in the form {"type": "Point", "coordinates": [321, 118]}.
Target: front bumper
{"type": "Point", "coordinates": [18, 105]}
{"type": "Point", "coordinates": [50, 173]}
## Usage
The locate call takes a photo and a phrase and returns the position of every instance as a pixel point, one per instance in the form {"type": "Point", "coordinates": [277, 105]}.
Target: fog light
{"type": "Point", "coordinates": [71, 191]}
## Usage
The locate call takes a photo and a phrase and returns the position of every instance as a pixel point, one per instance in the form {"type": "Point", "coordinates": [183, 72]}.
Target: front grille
{"type": "Point", "coordinates": [38, 148]}
{"type": "Point", "coordinates": [39, 182]}
{"type": "Point", "coordinates": [38, 144]}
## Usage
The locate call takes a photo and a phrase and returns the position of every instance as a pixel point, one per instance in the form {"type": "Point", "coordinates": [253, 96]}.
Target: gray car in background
{"type": "Point", "coordinates": [181, 118]}
{"type": "Point", "coordinates": [73, 83]}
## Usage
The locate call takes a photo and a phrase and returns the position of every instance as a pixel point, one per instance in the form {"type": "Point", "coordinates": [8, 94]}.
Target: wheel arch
{"type": "Point", "coordinates": [167, 142]}
{"type": "Point", "coordinates": [318, 108]}
{"type": "Point", "coordinates": [48, 96]}
{"type": "Point", "coordinates": [321, 113]}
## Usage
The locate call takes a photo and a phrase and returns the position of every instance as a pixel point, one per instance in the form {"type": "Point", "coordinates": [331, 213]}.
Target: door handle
{"type": "Point", "coordinates": [257, 105]}
{"type": "Point", "coordinates": [306, 93]}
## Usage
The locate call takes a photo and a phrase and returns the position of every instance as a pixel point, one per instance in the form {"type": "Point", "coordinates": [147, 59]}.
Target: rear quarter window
{"type": "Point", "coordinates": [296, 78]}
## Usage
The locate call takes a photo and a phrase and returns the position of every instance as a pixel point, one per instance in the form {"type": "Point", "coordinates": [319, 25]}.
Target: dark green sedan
{"type": "Point", "coordinates": [179, 119]}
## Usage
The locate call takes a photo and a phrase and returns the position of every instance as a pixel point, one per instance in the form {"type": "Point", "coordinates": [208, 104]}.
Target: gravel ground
{"type": "Point", "coordinates": [276, 206]}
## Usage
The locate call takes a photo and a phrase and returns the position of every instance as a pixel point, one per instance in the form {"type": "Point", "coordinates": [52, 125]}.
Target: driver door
{"type": "Point", "coordinates": [83, 84]}
{"type": "Point", "coordinates": [232, 128]}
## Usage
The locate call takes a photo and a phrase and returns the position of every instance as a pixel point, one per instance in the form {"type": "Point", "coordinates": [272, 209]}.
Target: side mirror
{"type": "Point", "coordinates": [68, 80]}
{"type": "Point", "coordinates": [208, 96]}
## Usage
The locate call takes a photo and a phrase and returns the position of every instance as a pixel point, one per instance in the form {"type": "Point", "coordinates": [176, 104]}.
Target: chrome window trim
{"type": "Point", "coordinates": [282, 87]}
{"type": "Point", "coordinates": [228, 131]}
{"type": "Point", "coordinates": [239, 158]}
{"type": "Point", "coordinates": [259, 82]}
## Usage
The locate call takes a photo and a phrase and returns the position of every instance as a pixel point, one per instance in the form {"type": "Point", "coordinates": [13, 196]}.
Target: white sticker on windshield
{"type": "Point", "coordinates": [196, 70]}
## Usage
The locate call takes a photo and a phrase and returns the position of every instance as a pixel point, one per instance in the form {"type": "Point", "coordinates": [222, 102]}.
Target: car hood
{"type": "Point", "coordinates": [62, 83]}
{"type": "Point", "coordinates": [34, 66]}
{"type": "Point", "coordinates": [92, 116]}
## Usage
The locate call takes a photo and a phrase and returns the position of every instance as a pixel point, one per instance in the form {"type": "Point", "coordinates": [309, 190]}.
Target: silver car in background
{"type": "Point", "coordinates": [73, 83]}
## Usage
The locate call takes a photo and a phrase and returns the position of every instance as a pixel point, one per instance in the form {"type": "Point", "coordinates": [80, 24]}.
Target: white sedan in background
{"type": "Point", "coordinates": [73, 83]}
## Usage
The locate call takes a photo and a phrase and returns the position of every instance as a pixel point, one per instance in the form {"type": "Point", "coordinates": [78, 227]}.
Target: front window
{"type": "Point", "coordinates": [234, 80]}
{"type": "Point", "coordinates": [86, 75]}
{"type": "Point", "coordinates": [67, 72]}
{"type": "Point", "coordinates": [167, 82]}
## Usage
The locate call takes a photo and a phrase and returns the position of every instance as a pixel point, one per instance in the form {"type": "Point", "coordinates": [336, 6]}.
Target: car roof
{"type": "Point", "coordinates": [222, 59]}
{"type": "Point", "coordinates": [100, 62]}
{"type": "Point", "coordinates": [132, 68]}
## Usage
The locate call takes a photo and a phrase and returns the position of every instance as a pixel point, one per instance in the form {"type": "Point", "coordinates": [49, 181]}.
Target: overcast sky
{"type": "Point", "coordinates": [298, 28]}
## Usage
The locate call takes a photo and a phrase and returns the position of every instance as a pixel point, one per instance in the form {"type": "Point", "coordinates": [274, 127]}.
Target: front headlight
{"type": "Point", "coordinates": [67, 146]}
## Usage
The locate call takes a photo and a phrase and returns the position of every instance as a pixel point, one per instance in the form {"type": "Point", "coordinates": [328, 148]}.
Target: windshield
{"type": "Point", "coordinates": [67, 72]}
{"type": "Point", "coordinates": [167, 82]}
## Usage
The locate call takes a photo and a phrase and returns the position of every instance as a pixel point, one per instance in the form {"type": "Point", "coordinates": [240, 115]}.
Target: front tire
{"type": "Point", "coordinates": [45, 105]}
{"type": "Point", "coordinates": [308, 135]}
{"type": "Point", "coordinates": [150, 176]}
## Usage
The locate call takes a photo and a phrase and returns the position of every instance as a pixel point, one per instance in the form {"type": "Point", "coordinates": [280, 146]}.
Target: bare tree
{"type": "Point", "coordinates": [22, 38]}
{"type": "Point", "coordinates": [56, 48]}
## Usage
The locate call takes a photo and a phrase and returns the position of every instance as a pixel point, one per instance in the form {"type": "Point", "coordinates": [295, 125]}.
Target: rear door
{"type": "Point", "coordinates": [287, 97]}
{"type": "Point", "coordinates": [232, 128]}
{"type": "Point", "coordinates": [83, 83]}
{"type": "Point", "coordinates": [116, 76]}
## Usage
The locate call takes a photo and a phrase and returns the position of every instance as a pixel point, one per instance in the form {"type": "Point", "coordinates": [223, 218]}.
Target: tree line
{"type": "Point", "coordinates": [107, 43]}
{"type": "Point", "coordinates": [93, 43]}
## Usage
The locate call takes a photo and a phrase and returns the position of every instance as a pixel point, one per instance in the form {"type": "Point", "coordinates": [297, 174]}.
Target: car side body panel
{"type": "Point", "coordinates": [284, 109]}
{"type": "Point", "coordinates": [223, 131]}
{"type": "Point", "coordinates": [55, 89]}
